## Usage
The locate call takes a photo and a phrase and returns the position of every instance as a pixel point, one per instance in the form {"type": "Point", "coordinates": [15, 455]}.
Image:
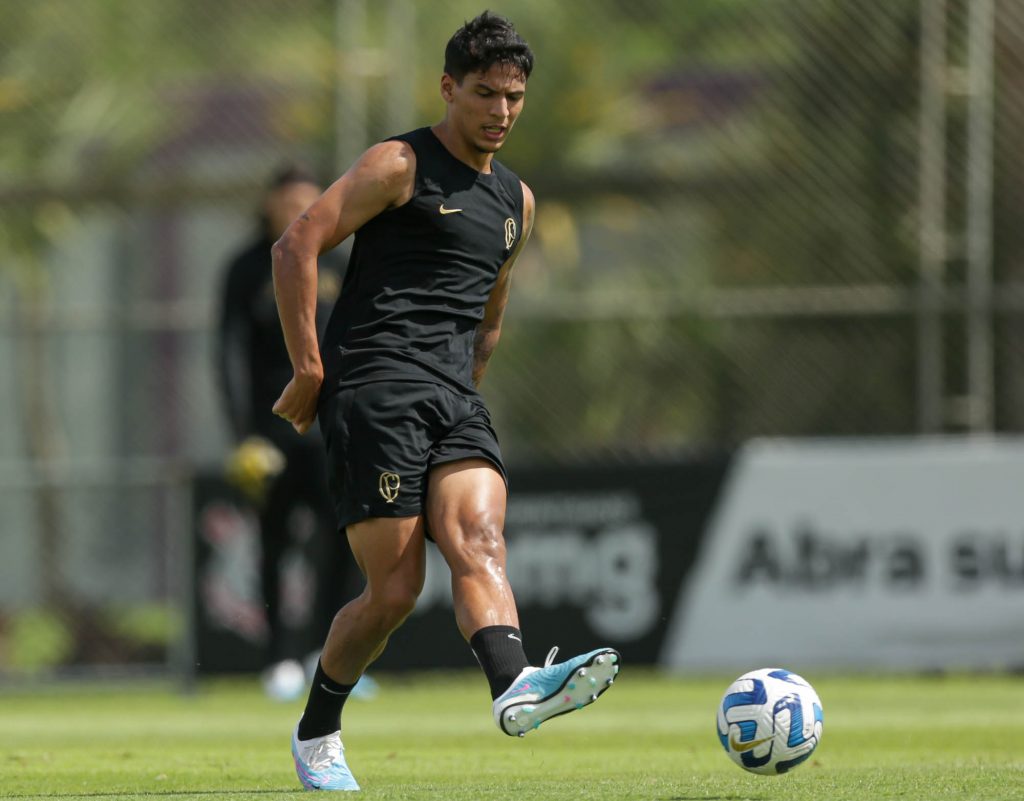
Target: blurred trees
{"type": "Point", "coordinates": [690, 160]}
{"type": "Point", "coordinates": [773, 145]}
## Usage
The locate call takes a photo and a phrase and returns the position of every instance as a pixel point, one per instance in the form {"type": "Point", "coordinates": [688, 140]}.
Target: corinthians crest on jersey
{"type": "Point", "coordinates": [510, 233]}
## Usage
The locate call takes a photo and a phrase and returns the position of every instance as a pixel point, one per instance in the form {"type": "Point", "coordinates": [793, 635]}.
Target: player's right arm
{"type": "Point", "coordinates": [381, 179]}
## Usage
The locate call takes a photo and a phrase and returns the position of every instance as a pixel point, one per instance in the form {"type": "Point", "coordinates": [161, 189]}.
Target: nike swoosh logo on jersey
{"type": "Point", "coordinates": [739, 748]}
{"type": "Point", "coordinates": [443, 210]}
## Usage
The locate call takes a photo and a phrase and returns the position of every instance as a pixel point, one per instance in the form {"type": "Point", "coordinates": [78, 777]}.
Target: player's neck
{"type": "Point", "coordinates": [464, 152]}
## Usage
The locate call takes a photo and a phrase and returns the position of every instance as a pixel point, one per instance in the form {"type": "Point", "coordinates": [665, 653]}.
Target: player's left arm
{"type": "Point", "coordinates": [489, 331]}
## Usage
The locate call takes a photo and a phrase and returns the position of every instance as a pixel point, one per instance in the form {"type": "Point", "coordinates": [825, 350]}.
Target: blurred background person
{"type": "Point", "coordinates": [280, 472]}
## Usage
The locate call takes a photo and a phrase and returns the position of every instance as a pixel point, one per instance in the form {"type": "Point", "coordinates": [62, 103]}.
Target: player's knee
{"type": "Point", "coordinates": [394, 603]}
{"type": "Point", "coordinates": [479, 538]}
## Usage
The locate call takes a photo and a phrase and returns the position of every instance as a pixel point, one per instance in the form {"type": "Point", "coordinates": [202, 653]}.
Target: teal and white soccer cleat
{"type": "Point", "coordinates": [320, 763]}
{"type": "Point", "coordinates": [541, 693]}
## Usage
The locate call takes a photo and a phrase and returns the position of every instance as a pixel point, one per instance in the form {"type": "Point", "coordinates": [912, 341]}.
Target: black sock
{"type": "Point", "coordinates": [323, 707]}
{"type": "Point", "coordinates": [499, 650]}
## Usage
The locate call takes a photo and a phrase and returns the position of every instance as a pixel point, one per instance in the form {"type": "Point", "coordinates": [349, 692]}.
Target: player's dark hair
{"type": "Point", "coordinates": [481, 43]}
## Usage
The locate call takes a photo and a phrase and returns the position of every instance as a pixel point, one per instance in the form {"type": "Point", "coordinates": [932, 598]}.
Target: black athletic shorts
{"type": "Point", "coordinates": [383, 438]}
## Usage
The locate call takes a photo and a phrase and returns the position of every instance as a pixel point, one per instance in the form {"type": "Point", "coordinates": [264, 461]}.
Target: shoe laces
{"type": "Point", "coordinates": [550, 658]}
{"type": "Point", "coordinates": [324, 753]}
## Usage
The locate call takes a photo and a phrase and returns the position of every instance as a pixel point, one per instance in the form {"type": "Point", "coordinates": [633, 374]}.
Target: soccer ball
{"type": "Point", "coordinates": [769, 721]}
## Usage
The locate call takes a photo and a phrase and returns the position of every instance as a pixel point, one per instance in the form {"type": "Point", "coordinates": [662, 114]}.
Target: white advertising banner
{"type": "Point", "coordinates": [890, 554]}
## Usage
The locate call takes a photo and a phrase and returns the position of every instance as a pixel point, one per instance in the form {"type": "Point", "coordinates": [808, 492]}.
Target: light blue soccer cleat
{"type": "Point", "coordinates": [541, 693]}
{"type": "Point", "coordinates": [320, 763]}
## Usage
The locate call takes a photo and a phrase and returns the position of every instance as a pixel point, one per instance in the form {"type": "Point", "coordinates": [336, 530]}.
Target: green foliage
{"type": "Point", "coordinates": [146, 624]}
{"type": "Point", "coordinates": [36, 639]}
{"type": "Point", "coordinates": [837, 177]}
{"type": "Point", "coordinates": [86, 96]}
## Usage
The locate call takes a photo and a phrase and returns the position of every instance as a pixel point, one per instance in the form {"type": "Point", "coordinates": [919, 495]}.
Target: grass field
{"type": "Point", "coordinates": [431, 737]}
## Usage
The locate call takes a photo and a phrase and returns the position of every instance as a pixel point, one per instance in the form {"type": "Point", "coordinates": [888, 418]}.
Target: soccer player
{"type": "Point", "coordinates": [411, 452]}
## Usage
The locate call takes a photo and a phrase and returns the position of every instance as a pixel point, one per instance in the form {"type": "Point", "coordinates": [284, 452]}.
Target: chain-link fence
{"type": "Point", "coordinates": [755, 217]}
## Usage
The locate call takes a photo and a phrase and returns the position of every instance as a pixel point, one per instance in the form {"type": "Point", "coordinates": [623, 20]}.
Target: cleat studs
{"type": "Point", "coordinates": [521, 734]}
{"type": "Point", "coordinates": [528, 709]}
{"type": "Point", "coordinates": [592, 681]}
{"type": "Point", "coordinates": [610, 682]}
{"type": "Point", "coordinates": [599, 660]}
{"type": "Point", "coordinates": [580, 706]}
{"type": "Point", "coordinates": [581, 672]}
{"type": "Point", "coordinates": [593, 698]}
{"type": "Point", "coordinates": [511, 718]}
{"type": "Point", "coordinates": [614, 658]}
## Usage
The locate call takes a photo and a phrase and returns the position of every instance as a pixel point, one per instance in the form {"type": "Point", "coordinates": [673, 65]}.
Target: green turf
{"type": "Point", "coordinates": [431, 737]}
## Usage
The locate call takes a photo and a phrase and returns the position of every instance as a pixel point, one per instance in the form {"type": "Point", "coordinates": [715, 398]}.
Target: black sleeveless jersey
{"type": "Point", "coordinates": [420, 274]}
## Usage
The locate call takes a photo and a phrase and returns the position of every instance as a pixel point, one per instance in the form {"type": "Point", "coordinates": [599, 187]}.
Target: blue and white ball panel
{"type": "Point", "coordinates": [769, 721]}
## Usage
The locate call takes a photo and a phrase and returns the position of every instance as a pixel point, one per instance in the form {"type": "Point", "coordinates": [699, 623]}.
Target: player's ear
{"type": "Point", "coordinates": [447, 88]}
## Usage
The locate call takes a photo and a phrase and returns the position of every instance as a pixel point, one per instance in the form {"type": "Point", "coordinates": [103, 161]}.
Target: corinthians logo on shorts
{"type": "Point", "coordinates": [510, 233]}
{"type": "Point", "coordinates": [388, 486]}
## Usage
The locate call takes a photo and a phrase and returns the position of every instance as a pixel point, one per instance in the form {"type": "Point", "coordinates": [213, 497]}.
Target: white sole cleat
{"type": "Point", "coordinates": [539, 694]}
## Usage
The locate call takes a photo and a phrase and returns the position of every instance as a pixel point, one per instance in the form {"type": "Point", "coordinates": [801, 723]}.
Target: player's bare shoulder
{"type": "Point", "coordinates": [392, 166]}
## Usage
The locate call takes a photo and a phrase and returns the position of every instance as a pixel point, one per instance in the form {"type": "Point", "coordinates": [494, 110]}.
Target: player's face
{"type": "Point", "coordinates": [485, 106]}
{"type": "Point", "coordinates": [286, 203]}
